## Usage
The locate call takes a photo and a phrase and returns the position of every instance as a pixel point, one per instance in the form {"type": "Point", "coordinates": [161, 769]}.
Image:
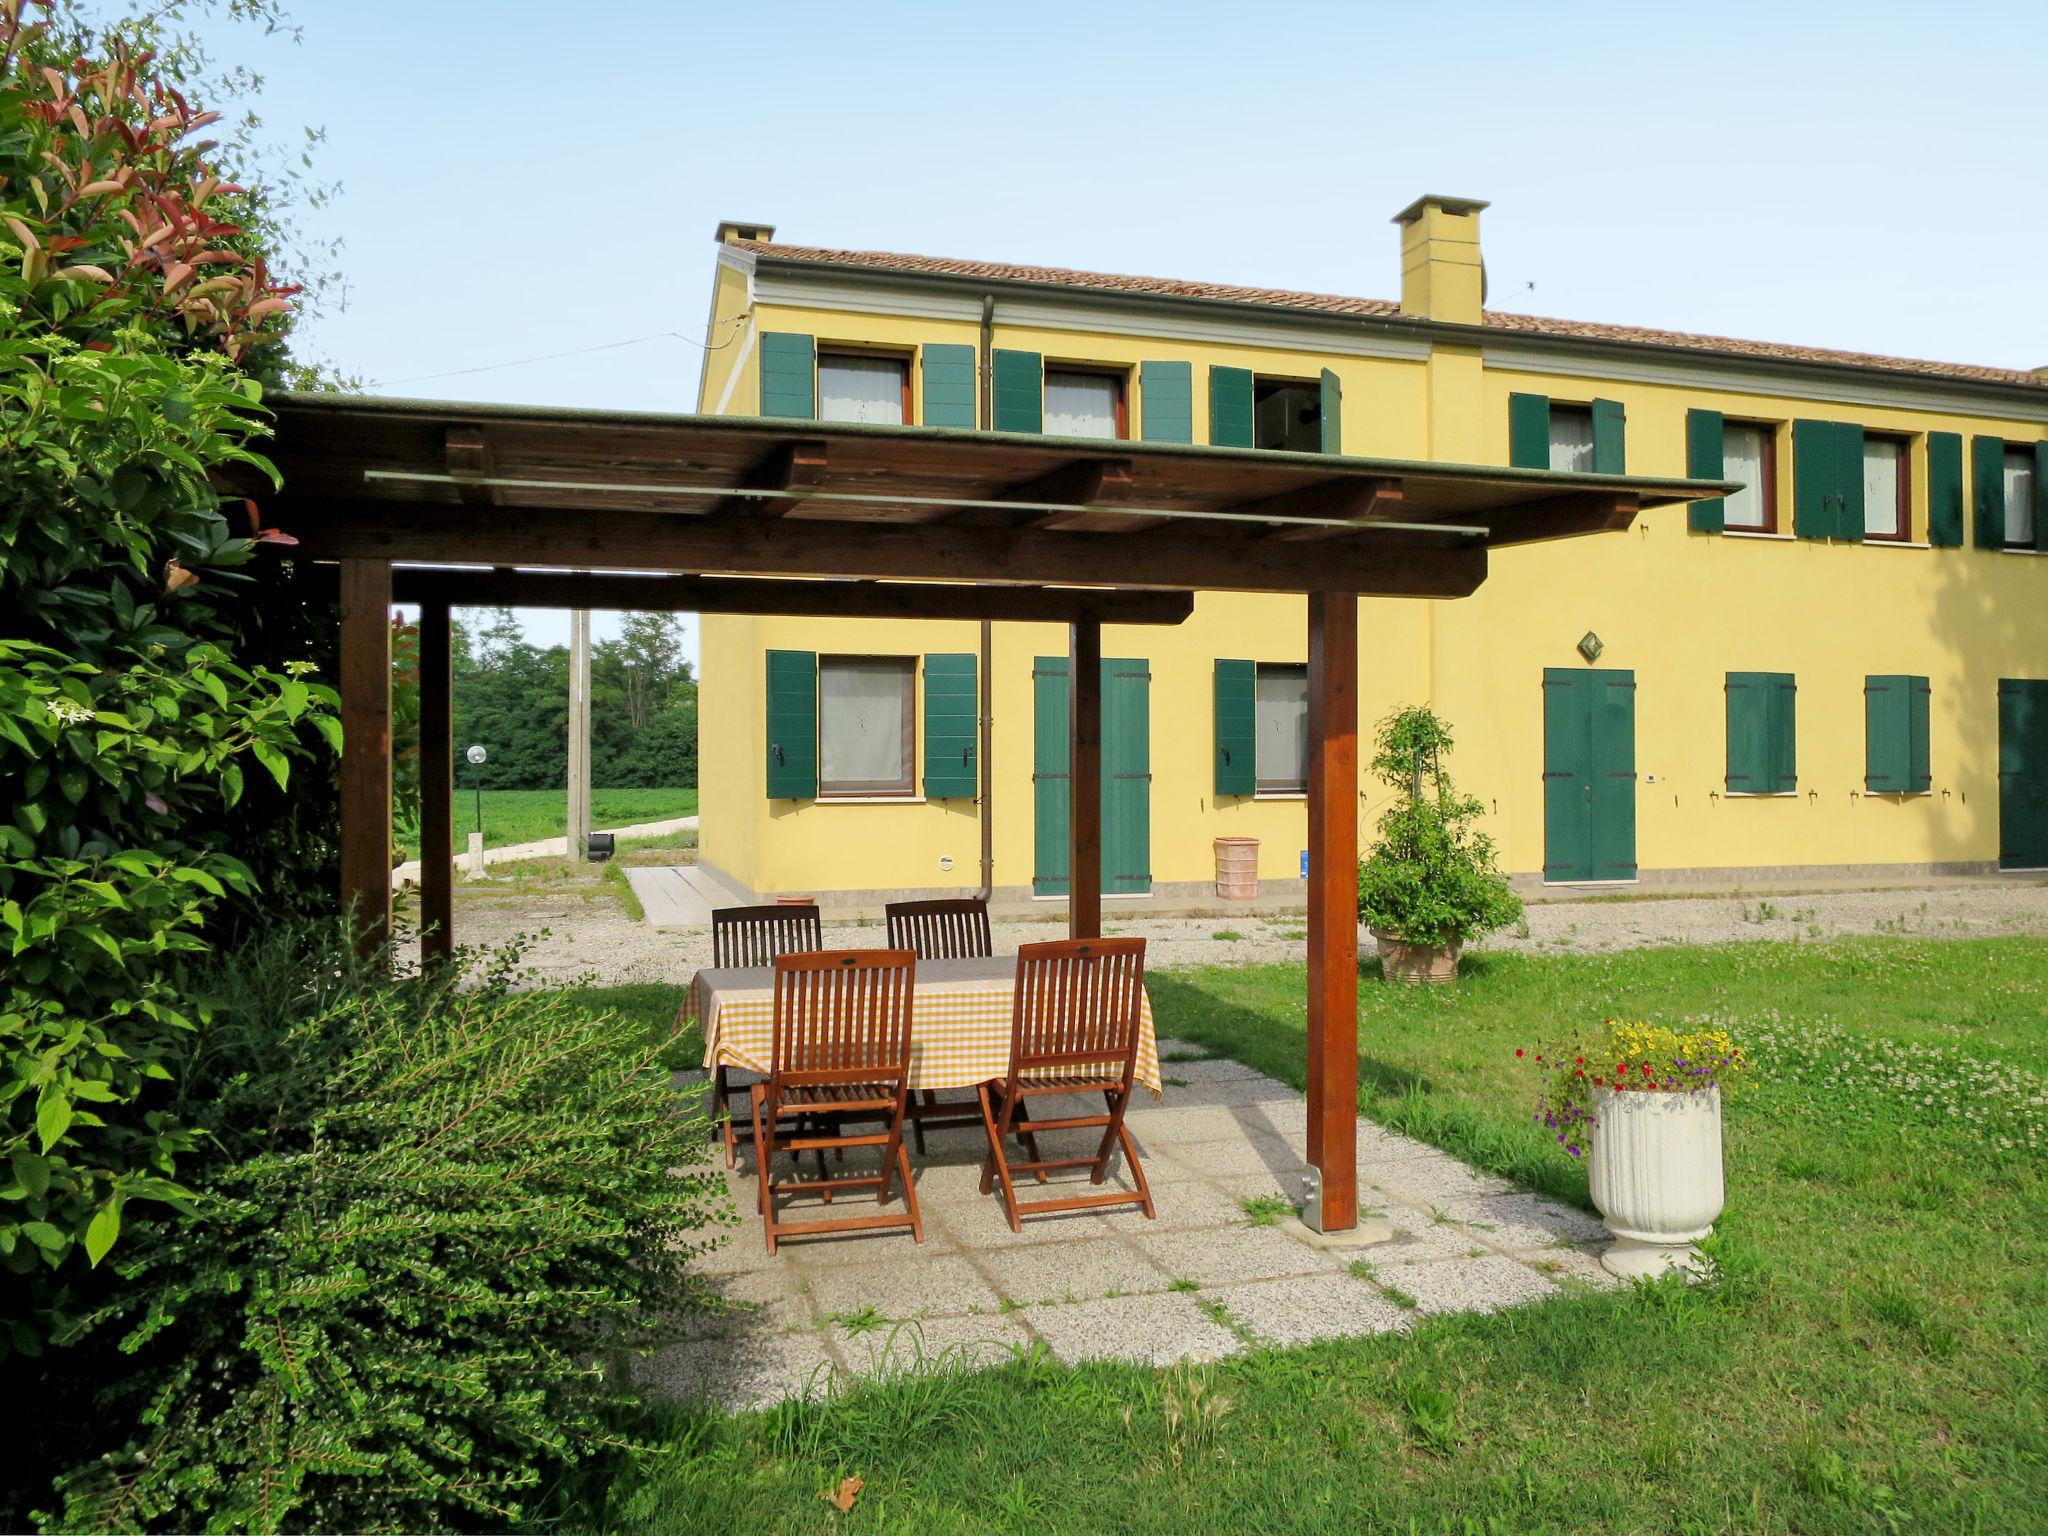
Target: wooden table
{"type": "Point", "coordinates": [959, 1027]}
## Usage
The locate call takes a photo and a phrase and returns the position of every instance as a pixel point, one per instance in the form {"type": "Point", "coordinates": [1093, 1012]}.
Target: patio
{"type": "Point", "coordinates": [1199, 1283]}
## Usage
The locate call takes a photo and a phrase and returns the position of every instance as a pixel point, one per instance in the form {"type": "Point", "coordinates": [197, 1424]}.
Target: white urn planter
{"type": "Point", "coordinates": [1655, 1168]}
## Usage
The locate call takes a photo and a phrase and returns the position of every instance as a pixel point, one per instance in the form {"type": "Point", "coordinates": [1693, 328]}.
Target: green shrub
{"type": "Point", "coordinates": [1432, 877]}
{"type": "Point", "coordinates": [433, 1225]}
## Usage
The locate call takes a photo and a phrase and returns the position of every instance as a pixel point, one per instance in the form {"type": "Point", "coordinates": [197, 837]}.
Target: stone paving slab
{"type": "Point", "coordinates": [1109, 1283]}
{"type": "Point", "coordinates": [1305, 1308]}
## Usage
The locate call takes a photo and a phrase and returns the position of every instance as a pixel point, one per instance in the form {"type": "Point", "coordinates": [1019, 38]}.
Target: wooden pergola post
{"type": "Point", "coordinates": [1084, 780]}
{"type": "Point", "coordinates": [1333, 908]}
{"type": "Point", "coordinates": [437, 784]}
{"type": "Point", "coordinates": [366, 749]}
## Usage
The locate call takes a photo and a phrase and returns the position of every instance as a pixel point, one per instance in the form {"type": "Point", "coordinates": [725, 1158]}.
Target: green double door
{"type": "Point", "coordinates": [1589, 774]}
{"type": "Point", "coordinates": [1126, 776]}
{"type": "Point", "coordinates": [2022, 773]}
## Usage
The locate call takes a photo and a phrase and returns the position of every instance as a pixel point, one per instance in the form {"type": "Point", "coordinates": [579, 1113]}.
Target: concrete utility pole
{"type": "Point", "coordinates": [579, 735]}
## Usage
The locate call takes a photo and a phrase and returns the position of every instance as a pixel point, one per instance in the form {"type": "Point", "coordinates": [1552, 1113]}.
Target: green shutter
{"type": "Point", "coordinates": [952, 719]}
{"type": "Point", "coordinates": [1529, 431]}
{"type": "Point", "coordinates": [1019, 391]}
{"type": "Point", "coordinates": [1945, 489]}
{"type": "Point", "coordinates": [1703, 461]}
{"type": "Point", "coordinates": [1237, 728]}
{"type": "Point", "coordinates": [948, 384]}
{"type": "Point", "coordinates": [1230, 407]}
{"type": "Point", "coordinates": [1813, 479]}
{"type": "Point", "coordinates": [1049, 777]}
{"type": "Point", "coordinates": [1919, 761]}
{"type": "Point", "coordinates": [2041, 496]}
{"type": "Point", "coordinates": [1168, 396]}
{"type": "Point", "coordinates": [792, 725]}
{"type": "Point", "coordinates": [789, 375]}
{"type": "Point", "coordinates": [1887, 734]}
{"type": "Point", "coordinates": [1762, 733]}
{"type": "Point", "coordinates": [1987, 470]}
{"type": "Point", "coordinates": [1784, 715]}
{"type": "Point", "coordinates": [1610, 438]}
{"type": "Point", "coordinates": [1332, 413]}
{"type": "Point", "coordinates": [1849, 481]}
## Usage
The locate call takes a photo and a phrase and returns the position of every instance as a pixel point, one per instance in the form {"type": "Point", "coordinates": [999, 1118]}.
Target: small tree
{"type": "Point", "coordinates": [1432, 878]}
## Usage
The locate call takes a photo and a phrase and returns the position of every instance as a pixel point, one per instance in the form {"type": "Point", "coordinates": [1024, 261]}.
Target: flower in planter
{"type": "Point", "coordinates": [1629, 1056]}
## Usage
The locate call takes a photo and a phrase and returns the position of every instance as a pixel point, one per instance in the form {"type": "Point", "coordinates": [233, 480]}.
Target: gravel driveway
{"type": "Point", "coordinates": [595, 937]}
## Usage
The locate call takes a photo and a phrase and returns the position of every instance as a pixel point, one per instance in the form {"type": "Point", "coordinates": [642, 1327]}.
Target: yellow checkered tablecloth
{"type": "Point", "coordinates": [959, 1024]}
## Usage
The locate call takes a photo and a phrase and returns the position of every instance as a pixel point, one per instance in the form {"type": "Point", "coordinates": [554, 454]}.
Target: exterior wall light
{"type": "Point", "coordinates": [1590, 646]}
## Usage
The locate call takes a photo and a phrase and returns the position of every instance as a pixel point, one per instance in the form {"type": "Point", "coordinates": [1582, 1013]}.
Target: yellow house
{"type": "Point", "coordinates": [1843, 670]}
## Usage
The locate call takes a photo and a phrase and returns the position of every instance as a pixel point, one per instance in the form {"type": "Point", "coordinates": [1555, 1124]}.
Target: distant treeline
{"type": "Point", "coordinates": [512, 697]}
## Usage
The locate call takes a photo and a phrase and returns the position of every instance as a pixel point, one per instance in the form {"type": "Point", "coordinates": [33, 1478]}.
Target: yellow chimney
{"type": "Point", "coordinates": [1442, 276]}
{"type": "Point", "coordinates": [744, 229]}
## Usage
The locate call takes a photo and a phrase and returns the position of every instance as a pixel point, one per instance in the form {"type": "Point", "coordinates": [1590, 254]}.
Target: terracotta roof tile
{"type": "Point", "coordinates": [1336, 304]}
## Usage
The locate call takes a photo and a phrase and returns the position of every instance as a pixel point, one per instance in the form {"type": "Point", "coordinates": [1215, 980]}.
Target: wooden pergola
{"type": "Point", "coordinates": [447, 504]}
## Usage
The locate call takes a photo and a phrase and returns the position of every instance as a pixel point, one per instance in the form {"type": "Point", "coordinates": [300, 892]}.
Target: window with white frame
{"type": "Point", "coordinates": [857, 386]}
{"type": "Point", "coordinates": [1281, 758]}
{"type": "Point", "coordinates": [1083, 404]}
{"type": "Point", "coordinates": [866, 724]}
{"type": "Point", "coordinates": [2019, 498]}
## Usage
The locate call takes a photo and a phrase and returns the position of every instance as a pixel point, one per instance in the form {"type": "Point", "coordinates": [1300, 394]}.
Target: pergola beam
{"type": "Point", "coordinates": [1558, 517]}
{"type": "Point", "coordinates": [1086, 486]}
{"type": "Point", "coordinates": [1193, 561]}
{"type": "Point", "coordinates": [802, 599]}
{"type": "Point", "coordinates": [1350, 504]}
{"type": "Point", "coordinates": [467, 453]}
{"type": "Point", "coordinates": [792, 467]}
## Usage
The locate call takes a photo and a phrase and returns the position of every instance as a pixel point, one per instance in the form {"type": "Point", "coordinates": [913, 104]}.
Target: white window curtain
{"type": "Point", "coordinates": [868, 389]}
{"type": "Point", "coordinates": [1571, 440]}
{"type": "Point", "coordinates": [2019, 499]}
{"type": "Point", "coordinates": [862, 705]}
{"type": "Point", "coordinates": [1882, 462]}
{"type": "Point", "coordinates": [1281, 757]}
{"type": "Point", "coordinates": [1080, 405]}
{"type": "Point", "coordinates": [1742, 458]}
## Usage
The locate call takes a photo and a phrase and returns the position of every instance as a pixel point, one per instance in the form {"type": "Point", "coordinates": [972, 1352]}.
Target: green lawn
{"type": "Point", "coordinates": [1874, 1358]}
{"type": "Point", "coordinates": [528, 815]}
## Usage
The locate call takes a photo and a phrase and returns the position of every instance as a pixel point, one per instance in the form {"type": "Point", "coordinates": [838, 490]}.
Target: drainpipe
{"type": "Point", "coordinates": [983, 749]}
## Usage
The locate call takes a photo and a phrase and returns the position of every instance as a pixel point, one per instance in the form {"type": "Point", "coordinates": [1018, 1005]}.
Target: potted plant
{"type": "Point", "coordinates": [1432, 880]}
{"type": "Point", "coordinates": [1642, 1102]}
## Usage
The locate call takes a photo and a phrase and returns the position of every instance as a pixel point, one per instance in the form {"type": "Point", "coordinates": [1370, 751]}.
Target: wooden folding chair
{"type": "Point", "coordinates": [1078, 1014]}
{"type": "Point", "coordinates": [842, 1052]}
{"type": "Point", "coordinates": [742, 936]}
{"type": "Point", "coordinates": [951, 928]}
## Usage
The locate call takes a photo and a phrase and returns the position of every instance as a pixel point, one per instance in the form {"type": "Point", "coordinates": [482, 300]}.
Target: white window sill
{"type": "Point", "coordinates": [1899, 544]}
{"type": "Point", "coordinates": [1898, 794]}
{"type": "Point", "coordinates": [1760, 794]}
{"type": "Point", "coordinates": [1756, 533]}
{"type": "Point", "coordinates": [1281, 794]}
{"type": "Point", "coordinates": [869, 800]}
{"type": "Point", "coordinates": [2017, 549]}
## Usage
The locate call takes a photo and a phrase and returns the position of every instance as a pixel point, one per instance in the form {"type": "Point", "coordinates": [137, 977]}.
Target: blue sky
{"type": "Point", "coordinates": [521, 179]}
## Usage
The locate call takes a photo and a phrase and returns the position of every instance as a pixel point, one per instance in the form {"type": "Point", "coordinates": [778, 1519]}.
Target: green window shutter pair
{"type": "Point", "coordinates": [952, 720]}
{"type": "Point", "coordinates": [948, 384]}
{"type": "Point", "coordinates": [1704, 461]}
{"type": "Point", "coordinates": [1762, 733]}
{"type": "Point", "coordinates": [792, 725]}
{"type": "Point", "coordinates": [1529, 431]}
{"type": "Point", "coordinates": [1529, 434]}
{"type": "Point", "coordinates": [1019, 391]}
{"type": "Point", "coordinates": [1332, 413]}
{"type": "Point", "coordinates": [1230, 407]}
{"type": "Point", "coordinates": [789, 375]}
{"type": "Point", "coordinates": [1237, 728]}
{"type": "Point", "coordinates": [1895, 760]}
{"type": "Point", "coordinates": [1945, 489]}
{"type": "Point", "coordinates": [1827, 480]}
{"type": "Point", "coordinates": [1168, 391]}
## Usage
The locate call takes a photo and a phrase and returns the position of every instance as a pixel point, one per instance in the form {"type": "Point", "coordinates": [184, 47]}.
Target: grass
{"type": "Point", "coordinates": [1873, 1357]}
{"type": "Point", "coordinates": [529, 815]}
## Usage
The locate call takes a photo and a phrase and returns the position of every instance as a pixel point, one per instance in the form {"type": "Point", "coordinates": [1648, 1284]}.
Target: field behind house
{"type": "Point", "coordinates": [528, 815]}
{"type": "Point", "coordinates": [1873, 1358]}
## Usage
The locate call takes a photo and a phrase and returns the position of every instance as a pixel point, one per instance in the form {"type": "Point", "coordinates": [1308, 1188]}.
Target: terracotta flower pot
{"type": "Point", "coordinates": [1655, 1170]}
{"type": "Point", "coordinates": [1414, 964]}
